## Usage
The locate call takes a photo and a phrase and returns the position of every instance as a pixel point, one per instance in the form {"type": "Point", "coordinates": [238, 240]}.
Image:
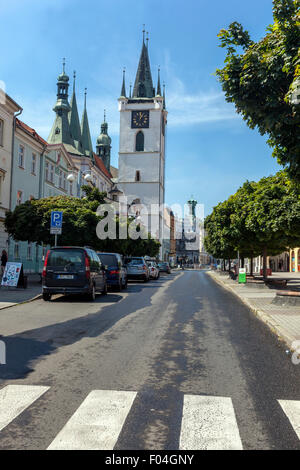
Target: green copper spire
{"type": "Point", "coordinates": [74, 119]}
{"type": "Point", "coordinates": [158, 93]}
{"type": "Point", "coordinates": [104, 144]}
{"type": "Point", "coordinates": [143, 85]}
{"type": "Point", "coordinates": [60, 132]}
{"type": "Point", "coordinates": [87, 146]}
{"type": "Point", "coordinates": [123, 90]}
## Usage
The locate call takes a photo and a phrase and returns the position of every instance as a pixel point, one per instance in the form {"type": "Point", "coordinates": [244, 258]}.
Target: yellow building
{"type": "Point", "coordinates": [295, 260]}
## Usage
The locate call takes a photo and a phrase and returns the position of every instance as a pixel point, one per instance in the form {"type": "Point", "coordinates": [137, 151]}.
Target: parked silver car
{"type": "Point", "coordinates": [137, 268]}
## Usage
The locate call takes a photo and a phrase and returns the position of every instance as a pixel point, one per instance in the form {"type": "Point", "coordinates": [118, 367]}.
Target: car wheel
{"type": "Point", "coordinates": [46, 297]}
{"type": "Point", "coordinates": [92, 294]}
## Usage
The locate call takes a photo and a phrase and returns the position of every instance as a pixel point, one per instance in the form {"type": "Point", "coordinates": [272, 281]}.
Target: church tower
{"type": "Point", "coordinates": [60, 132]}
{"type": "Point", "coordinates": [104, 144]}
{"type": "Point", "coordinates": [143, 118]}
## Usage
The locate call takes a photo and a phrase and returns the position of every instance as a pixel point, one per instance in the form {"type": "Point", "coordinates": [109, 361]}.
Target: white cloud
{"type": "Point", "coordinates": [186, 109]}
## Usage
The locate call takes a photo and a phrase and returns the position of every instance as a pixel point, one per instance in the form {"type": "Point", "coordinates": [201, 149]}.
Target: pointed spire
{"type": "Point", "coordinates": [85, 132]}
{"type": "Point", "coordinates": [130, 90]}
{"type": "Point", "coordinates": [158, 92]}
{"type": "Point", "coordinates": [75, 129]}
{"type": "Point", "coordinates": [123, 90]}
{"type": "Point", "coordinates": [147, 39]}
{"type": "Point", "coordinates": [143, 85]}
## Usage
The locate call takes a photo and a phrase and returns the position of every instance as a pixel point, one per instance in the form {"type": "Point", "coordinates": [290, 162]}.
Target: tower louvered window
{"type": "Point", "coordinates": [139, 143]}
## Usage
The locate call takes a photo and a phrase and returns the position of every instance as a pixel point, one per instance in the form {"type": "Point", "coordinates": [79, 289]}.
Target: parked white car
{"type": "Point", "coordinates": [153, 268]}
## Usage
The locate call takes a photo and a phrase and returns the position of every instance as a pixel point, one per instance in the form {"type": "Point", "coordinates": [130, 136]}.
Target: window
{"type": "Point", "coordinates": [16, 251]}
{"type": "Point", "coordinates": [19, 197]}
{"type": "Point", "coordinates": [139, 142]}
{"type": "Point", "coordinates": [1, 132]}
{"type": "Point", "coordinates": [29, 251]}
{"type": "Point", "coordinates": [137, 176]}
{"type": "Point", "coordinates": [21, 156]}
{"type": "Point", "coordinates": [62, 182]}
{"type": "Point", "coordinates": [49, 172]}
{"type": "Point", "coordinates": [33, 164]}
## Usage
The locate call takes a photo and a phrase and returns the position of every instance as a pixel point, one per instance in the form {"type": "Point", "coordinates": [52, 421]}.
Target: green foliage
{"type": "Point", "coordinates": [261, 217]}
{"type": "Point", "coordinates": [31, 222]}
{"type": "Point", "coordinates": [259, 80]}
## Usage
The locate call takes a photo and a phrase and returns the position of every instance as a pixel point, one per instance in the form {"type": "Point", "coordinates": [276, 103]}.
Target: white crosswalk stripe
{"type": "Point", "coordinates": [14, 399]}
{"type": "Point", "coordinates": [292, 410]}
{"type": "Point", "coordinates": [209, 423]}
{"type": "Point", "coordinates": [97, 423]}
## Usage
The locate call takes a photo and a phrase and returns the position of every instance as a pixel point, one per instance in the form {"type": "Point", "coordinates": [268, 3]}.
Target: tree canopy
{"type": "Point", "coordinates": [260, 218]}
{"type": "Point", "coordinates": [259, 78]}
{"type": "Point", "coordinates": [31, 222]}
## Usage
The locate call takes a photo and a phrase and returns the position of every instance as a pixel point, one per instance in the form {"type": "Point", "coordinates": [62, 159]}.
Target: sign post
{"type": "Point", "coordinates": [56, 224]}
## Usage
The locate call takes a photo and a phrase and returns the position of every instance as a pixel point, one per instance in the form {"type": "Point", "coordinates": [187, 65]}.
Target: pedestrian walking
{"type": "Point", "coordinates": [4, 259]}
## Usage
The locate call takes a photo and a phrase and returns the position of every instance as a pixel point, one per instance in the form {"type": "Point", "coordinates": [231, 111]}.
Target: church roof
{"type": "Point", "coordinates": [143, 85]}
{"type": "Point", "coordinates": [86, 140]}
{"type": "Point", "coordinates": [100, 164]}
{"type": "Point", "coordinates": [75, 129]}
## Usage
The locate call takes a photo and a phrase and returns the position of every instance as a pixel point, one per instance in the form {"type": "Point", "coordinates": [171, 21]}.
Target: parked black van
{"type": "Point", "coordinates": [116, 272]}
{"type": "Point", "coordinates": [73, 270]}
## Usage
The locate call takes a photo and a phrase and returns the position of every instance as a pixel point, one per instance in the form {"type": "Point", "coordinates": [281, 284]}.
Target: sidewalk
{"type": "Point", "coordinates": [283, 321]}
{"type": "Point", "coordinates": [10, 296]}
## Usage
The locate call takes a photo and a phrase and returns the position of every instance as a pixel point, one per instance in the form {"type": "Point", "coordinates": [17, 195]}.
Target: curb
{"type": "Point", "coordinates": [263, 316]}
{"type": "Point", "coordinates": [37, 297]}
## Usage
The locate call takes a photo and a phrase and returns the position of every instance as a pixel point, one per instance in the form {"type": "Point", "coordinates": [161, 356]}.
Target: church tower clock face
{"type": "Point", "coordinates": [140, 119]}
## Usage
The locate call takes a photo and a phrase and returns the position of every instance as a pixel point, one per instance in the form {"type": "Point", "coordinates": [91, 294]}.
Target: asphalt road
{"type": "Point", "coordinates": [171, 348]}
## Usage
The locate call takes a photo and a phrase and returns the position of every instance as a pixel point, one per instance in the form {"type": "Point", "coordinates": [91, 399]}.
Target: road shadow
{"type": "Point", "coordinates": [25, 349]}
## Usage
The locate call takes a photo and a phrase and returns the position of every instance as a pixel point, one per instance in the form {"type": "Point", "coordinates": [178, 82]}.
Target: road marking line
{"type": "Point", "coordinates": [292, 410]}
{"type": "Point", "coordinates": [14, 399]}
{"type": "Point", "coordinates": [209, 423]}
{"type": "Point", "coordinates": [97, 423]}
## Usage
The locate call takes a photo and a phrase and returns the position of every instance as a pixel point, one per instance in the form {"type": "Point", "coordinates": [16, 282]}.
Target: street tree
{"type": "Point", "coordinates": [261, 77]}
{"type": "Point", "coordinates": [31, 222]}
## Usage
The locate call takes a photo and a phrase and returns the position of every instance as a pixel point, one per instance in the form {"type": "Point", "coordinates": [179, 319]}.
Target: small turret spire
{"type": "Point", "coordinates": [144, 34]}
{"type": "Point", "coordinates": [123, 90]}
{"type": "Point", "coordinates": [74, 80]}
{"type": "Point", "coordinates": [64, 65]}
{"type": "Point", "coordinates": [158, 93]}
{"type": "Point", "coordinates": [85, 93]}
{"type": "Point", "coordinates": [147, 39]}
{"type": "Point", "coordinates": [130, 90]}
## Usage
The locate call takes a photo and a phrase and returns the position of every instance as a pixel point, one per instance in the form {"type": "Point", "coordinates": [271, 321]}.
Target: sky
{"type": "Point", "coordinates": [210, 149]}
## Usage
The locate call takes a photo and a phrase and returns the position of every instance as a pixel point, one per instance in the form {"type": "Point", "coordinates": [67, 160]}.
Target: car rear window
{"type": "Point", "coordinates": [62, 258]}
{"type": "Point", "coordinates": [134, 261]}
{"type": "Point", "coordinates": [108, 260]}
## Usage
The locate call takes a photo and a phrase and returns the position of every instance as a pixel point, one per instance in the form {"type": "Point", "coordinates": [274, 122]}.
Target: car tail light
{"type": "Point", "coordinates": [87, 267]}
{"type": "Point", "coordinates": [45, 264]}
{"type": "Point", "coordinates": [114, 271]}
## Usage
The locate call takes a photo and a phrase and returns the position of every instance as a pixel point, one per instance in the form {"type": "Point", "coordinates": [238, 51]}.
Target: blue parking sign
{"type": "Point", "coordinates": [56, 219]}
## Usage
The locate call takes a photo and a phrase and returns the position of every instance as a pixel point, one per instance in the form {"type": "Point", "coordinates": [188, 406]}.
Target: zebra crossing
{"type": "Point", "coordinates": [208, 422]}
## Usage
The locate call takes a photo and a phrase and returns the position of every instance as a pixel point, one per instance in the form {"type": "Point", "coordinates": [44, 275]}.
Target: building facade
{"type": "Point", "coordinates": [143, 119]}
{"type": "Point", "coordinates": [8, 110]}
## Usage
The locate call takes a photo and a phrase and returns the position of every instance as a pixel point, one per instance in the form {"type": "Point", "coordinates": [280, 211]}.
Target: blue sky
{"type": "Point", "coordinates": [210, 150]}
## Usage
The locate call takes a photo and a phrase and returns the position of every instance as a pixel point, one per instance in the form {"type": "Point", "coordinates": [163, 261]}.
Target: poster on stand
{"type": "Point", "coordinates": [11, 274]}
